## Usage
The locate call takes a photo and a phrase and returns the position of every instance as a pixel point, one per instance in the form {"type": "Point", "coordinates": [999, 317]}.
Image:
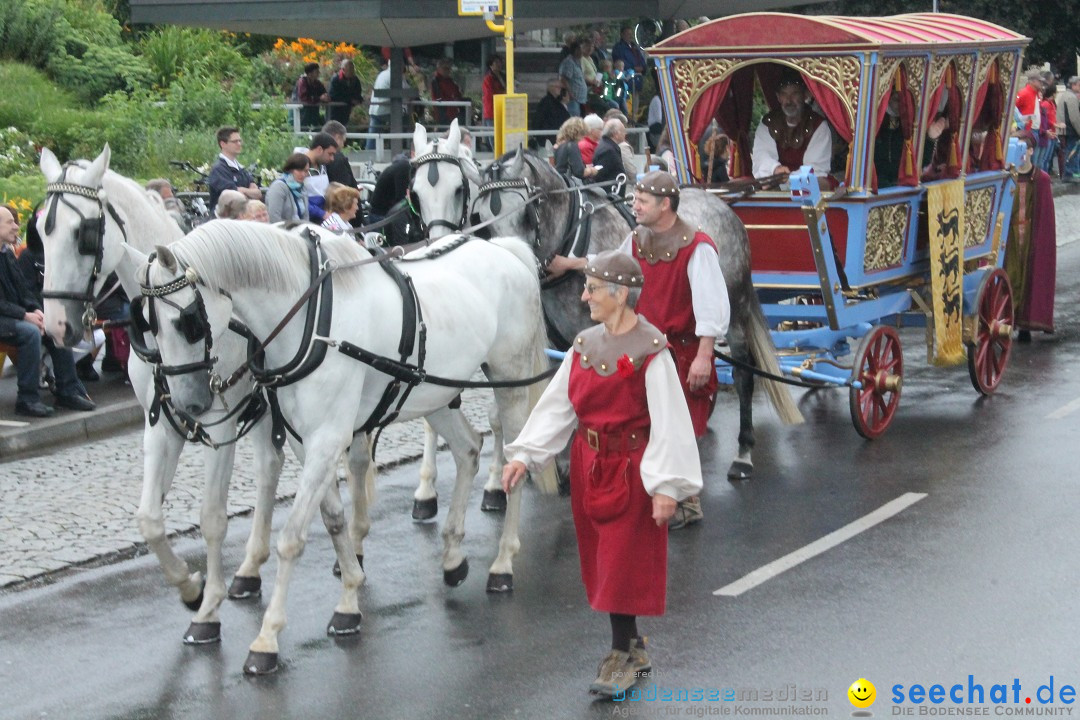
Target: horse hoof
{"type": "Point", "coordinates": [202, 633]}
{"type": "Point", "coordinates": [336, 570]}
{"type": "Point", "coordinates": [344, 624]}
{"type": "Point", "coordinates": [740, 470]}
{"type": "Point", "coordinates": [500, 583]}
{"type": "Point", "coordinates": [455, 577]}
{"type": "Point", "coordinates": [260, 663]}
{"type": "Point", "coordinates": [425, 509]}
{"type": "Point", "coordinates": [245, 588]}
{"type": "Point", "coordinates": [194, 605]}
{"type": "Point", "coordinates": [494, 501]}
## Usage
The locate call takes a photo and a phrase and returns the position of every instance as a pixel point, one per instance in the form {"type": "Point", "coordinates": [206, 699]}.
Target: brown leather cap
{"type": "Point", "coordinates": [659, 183]}
{"type": "Point", "coordinates": [617, 267]}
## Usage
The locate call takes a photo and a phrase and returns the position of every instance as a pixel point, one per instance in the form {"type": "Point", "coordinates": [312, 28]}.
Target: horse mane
{"type": "Point", "coordinates": [234, 254]}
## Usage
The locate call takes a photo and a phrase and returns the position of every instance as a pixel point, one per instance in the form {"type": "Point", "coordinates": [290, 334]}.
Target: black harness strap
{"type": "Point", "coordinates": [320, 308]}
{"type": "Point", "coordinates": [410, 314]}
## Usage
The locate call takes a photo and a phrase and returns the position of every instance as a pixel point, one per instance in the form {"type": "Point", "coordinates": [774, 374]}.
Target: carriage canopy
{"type": "Point", "coordinates": [936, 65]}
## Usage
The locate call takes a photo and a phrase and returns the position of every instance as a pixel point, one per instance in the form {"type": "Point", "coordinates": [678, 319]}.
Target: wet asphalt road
{"type": "Point", "coordinates": [977, 578]}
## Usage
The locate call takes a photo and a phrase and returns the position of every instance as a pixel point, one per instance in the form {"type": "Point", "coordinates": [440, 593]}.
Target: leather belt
{"type": "Point", "coordinates": [615, 442]}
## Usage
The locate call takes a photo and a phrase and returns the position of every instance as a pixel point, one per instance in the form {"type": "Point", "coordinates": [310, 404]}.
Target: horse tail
{"type": "Point", "coordinates": [764, 352]}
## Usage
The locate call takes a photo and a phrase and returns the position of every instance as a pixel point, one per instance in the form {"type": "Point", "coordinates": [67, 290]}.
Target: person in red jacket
{"type": "Point", "coordinates": [494, 84]}
{"type": "Point", "coordinates": [1027, 100]}
{"type": "Point", "coordinates": [443, 87]}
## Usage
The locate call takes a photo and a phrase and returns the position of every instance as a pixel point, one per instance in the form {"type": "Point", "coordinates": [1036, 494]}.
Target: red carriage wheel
{"type": "Point", "coordinates": [879, 368]}
{"type": "Point", "coordinates": [991, 336]}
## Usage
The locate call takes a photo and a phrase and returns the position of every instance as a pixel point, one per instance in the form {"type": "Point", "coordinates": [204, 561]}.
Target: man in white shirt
{"type": "Point", "coordinates": [792, 135]}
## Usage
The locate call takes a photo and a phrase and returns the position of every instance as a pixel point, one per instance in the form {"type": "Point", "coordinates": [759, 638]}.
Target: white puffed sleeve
{"type": "Point", "coordinates": [764, 157]}
{"type": "Point", "coordinates": [670, 465]}
{"type": "Point", "coordinates": [712, 307]}
{"type": "Point", "coordinates": [550, 424]}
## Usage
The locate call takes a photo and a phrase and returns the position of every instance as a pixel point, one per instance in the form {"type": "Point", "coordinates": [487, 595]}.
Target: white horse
{"type": "Point", "coordinates": [479, 302]}
{"type": "Point", "coordinates": [97, 222]}
{"type": "Point", "coordinates": [447, 170]}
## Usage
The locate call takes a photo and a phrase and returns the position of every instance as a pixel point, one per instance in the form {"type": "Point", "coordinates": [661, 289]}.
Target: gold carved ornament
{"type": "Point", "coordinates": [977, 206]}
{"type": "Point", "coordinates": [916, 71]}
{"type": "Point", "coordinates": [840, 74]}
{"type": "Point", "coordinates": [886, 229]}
{"type": "Point", "coordinates": [692, 76]}
{"type": "Point", "coordinates": [886, 72]}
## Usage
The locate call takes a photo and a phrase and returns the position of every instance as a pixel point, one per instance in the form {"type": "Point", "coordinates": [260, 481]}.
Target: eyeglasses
{"type": "Point", "coordinates": [235, 141]}
{"type": "Point", "coordinates": [590, 288]}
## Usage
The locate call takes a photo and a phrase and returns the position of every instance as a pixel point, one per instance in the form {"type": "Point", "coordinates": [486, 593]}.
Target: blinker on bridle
{"type": "Point", "coordinates": [89, 238]}
{"type": "Point", "coordinates": [193, 322]}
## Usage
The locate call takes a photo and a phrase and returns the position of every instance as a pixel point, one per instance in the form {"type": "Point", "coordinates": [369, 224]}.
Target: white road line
{"type": "Point", "coordinates": [767, 572]}
{"type": "Point", "coordinates": [1064, 410]}
{"type": "Point", "coordinates": [13, 423]}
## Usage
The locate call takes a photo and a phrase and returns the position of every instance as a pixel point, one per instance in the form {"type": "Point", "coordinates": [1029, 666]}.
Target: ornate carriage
{"type": "Point", "coordinates": [925, 245]}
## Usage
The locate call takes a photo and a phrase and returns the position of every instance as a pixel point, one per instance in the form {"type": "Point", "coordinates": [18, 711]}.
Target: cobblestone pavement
{"type": "Point", "coordinates": [78, 504]}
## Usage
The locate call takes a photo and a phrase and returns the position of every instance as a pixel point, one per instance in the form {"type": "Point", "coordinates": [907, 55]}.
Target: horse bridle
{"type": "Point", "coordinates": [193, 322]}
{"type": "Point", "coordinates": [520, 187]}
{"type": "Point", "coordinates": [432, 160]}
{"type": "Point", "coordinates": [89, 238]}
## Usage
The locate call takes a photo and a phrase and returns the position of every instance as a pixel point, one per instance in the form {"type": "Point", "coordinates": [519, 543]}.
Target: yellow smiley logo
{"type": "Point", "coordinates": [862, 693]}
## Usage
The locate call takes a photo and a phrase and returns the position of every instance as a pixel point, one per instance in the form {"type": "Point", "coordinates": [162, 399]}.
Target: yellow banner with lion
{"type": "Point", "coordinates": [945, 210]}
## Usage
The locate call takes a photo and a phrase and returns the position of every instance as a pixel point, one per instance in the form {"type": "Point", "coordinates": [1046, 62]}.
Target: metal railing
{"type": "Point", "coordinates": [381, 154]}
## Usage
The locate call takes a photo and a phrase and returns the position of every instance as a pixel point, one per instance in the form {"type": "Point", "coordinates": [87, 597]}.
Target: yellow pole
{"type": "Point", "coordinates": [507, 29]}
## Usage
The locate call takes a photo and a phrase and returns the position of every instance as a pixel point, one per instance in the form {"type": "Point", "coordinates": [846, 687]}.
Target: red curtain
{"type": "Point", "coordinates": [909, 172]}
{"type": "Point", "coordinates": [702, 115]}
{"type": "Point", "coordinates": [952, 135]}
{"type": "Point", "coordinates": [989, 104]}
{"type": "Point", "coordinates": [734, 116]}
{"type": "Point", "coordinates": [909, 166]}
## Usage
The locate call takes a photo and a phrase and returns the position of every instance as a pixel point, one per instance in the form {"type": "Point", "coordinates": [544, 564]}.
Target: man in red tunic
{"type": "Point", "coordinates": [633, 457]}
{"type": "Point", "coordinates": [685, 296]}
{"type": "Point", "coordinates": [793, 135]}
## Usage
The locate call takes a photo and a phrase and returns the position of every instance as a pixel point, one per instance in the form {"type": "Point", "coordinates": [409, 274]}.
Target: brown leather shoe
{"type": "Point", "coordinates": [616, 672]}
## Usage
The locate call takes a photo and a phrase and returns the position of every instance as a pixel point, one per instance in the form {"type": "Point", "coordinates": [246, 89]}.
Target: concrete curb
{"type": "Point", "coordinates": [51, 432]}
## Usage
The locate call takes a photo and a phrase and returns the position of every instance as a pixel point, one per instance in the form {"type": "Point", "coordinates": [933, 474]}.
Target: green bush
{"type": "Point", "coordinates": [173, 52]}
{"type": "Point", "coordinates": [32, 31]}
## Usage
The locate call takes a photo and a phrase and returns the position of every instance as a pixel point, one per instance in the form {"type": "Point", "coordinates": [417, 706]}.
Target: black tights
{"type": "Point", "coordinates": [623, 631]}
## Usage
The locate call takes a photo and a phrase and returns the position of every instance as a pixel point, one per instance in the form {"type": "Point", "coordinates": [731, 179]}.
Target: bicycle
{"type": "Point", "coordinates": [195, 204]}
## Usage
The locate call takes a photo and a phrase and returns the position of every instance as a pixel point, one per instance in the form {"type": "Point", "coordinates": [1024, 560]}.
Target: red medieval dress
{"type": "Point", "coordinates": [633, 439]}
{"type": "Point", "coordinates": [1031, 253]}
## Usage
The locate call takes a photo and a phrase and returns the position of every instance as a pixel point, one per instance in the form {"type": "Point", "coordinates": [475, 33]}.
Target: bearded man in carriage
{"type": "Point", "coordinates": [793, 134]}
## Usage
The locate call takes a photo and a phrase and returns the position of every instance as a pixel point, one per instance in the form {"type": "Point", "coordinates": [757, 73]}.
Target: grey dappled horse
{"type": "Point", "coordinates": [546, 222]}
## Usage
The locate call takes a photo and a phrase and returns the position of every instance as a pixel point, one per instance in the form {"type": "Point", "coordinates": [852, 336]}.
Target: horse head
{"type": "Point", "coordinates": [82, 241]}
{"type": "Point", "coordinates": [442, 170]}
{"type": "Point", "coordinates": [185, 318]}
{"type": "Point", "coordinates": [519, 192]}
